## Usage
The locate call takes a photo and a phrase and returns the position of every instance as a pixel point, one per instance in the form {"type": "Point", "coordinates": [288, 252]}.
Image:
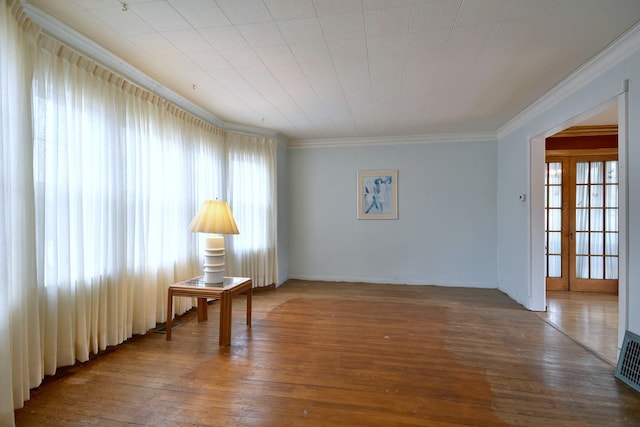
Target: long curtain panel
{"type": "Point", "coordinates": [99, 182]}
{"type": "Point", "coordinates": [19, 324]}
{"type": "Point", "coordinates": [114, 179]}
{"type": "Point", "coordinates": [253, 199]}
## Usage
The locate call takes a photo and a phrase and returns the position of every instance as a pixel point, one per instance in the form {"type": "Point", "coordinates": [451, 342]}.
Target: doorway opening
{"type": "Point", "coordinates": [581, 210]}
{"type": "Point", "coordinates": [581, 235]}
{"type": "Point", "coordinates": [612, 309]}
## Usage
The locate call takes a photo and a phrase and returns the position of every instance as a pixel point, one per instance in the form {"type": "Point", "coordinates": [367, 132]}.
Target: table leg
{"type": "Point", "coordinates": [169, 315]}
{"type": "Point", "coordinates": [225, 320]}
{"type": "Point", "coordinates": [202, 309]}
{"type": "Point", "coordinates": [249, 292]}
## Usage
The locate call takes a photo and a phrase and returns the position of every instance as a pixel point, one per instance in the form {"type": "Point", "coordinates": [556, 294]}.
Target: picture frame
{"type": "Point", "coordinates": [378, 194]}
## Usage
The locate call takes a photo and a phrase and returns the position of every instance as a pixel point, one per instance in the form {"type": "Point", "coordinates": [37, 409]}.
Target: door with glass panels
{"type": "Point", "coordinates": [581, 223]}
{"type": "Point", "coordinates": [557, 224]}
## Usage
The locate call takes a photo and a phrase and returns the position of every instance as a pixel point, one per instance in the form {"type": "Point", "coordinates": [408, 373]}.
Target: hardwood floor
{"type": "Point", "coordinates": [339, 354]}
{"type": "Point", "coordinates": [589, 318]}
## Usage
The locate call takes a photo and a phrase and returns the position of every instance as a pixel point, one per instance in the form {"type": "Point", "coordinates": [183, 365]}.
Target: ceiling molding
{"type": "Point", "coordinates": [70, 37]}
{"type": "Point", "coordinates": [394, 140]}
{"type": "Point", "coordinates": [254, 131]}
{"type": "Point", "coordinates": [623, 47]}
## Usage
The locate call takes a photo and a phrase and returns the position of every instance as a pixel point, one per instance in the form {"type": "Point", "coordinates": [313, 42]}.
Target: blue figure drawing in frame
{"type": "Point", "coordinates": [377, 194]}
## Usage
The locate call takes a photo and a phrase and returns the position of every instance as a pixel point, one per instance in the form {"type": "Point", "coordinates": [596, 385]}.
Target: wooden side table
{"type": "Point", "coordinates": [225, 291]}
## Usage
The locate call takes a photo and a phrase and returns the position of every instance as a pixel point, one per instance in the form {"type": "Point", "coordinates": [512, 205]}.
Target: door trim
{"type": "Point", "coordinates": [536, 152]}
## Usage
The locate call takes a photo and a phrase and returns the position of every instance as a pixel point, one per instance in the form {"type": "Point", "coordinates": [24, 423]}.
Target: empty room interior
{"type": "Point", "coordinates": [320, 212]}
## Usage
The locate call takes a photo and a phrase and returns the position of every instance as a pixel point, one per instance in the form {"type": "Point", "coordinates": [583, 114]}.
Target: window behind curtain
{"type": "Point", "coordinates": [118, 178]}
{"type": "Point", "coordinates": [20, 352]}
{"type": "Point", "coordinates": [116, 175]}
{"type": "Point", "coordinates": [253, 200]}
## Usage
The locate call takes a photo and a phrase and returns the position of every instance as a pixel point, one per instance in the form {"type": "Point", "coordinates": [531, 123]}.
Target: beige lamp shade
{"type": "Point", "coordinates": [214, 217]}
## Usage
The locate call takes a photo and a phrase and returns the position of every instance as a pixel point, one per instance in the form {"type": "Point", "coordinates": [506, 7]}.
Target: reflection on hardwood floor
{"type": "Point", "coordinates": [589, 318]}
{"type": "Point", "coordinates": [345, 354]}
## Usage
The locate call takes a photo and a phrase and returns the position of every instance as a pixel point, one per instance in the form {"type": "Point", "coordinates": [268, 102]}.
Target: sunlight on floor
{"type": "Point", "coordinates": [589, 318]}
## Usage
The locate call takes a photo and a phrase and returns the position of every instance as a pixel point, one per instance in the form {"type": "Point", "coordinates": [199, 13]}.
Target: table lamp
{"type": "Point", "coordinates": [214, 217]}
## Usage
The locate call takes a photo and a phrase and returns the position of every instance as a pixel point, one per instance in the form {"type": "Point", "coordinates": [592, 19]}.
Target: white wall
{"type": "Point", "coordinates": [513, 229]}
{"type": "Point", "coordinates": [446, 230]}
{"type": "Point", "coordinates": [594, 84]}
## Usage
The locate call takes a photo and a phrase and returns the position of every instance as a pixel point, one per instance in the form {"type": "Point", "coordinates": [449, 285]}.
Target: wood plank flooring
{"type": "Point", "coordinates": [342, 354]}
{"type": "Point", "coordinates": [589, 318]}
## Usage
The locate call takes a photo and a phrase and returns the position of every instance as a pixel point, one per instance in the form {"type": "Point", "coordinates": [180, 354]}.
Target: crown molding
{"type": "Point", "coordinates": [617, 51]}
{"type": "Point", "coordinates": [70, 37]}
{"type": "Point", "coordinates": [255, 131]}
{"type": "Point", "coordinates": [394, 140]}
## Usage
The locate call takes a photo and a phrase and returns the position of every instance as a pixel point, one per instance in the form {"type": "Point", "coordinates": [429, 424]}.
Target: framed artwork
{"type": "Point", "coordinates": [378, 194]}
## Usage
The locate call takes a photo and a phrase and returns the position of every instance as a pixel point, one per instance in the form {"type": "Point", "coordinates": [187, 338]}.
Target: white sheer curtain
{"type": "Point", "coordinates": [582, 220]}
{"type": "Point", "coordinates": [117, 183]}
{"type": "Point", "coordinates": [98, 183]}
{"type": "Point", "coordinates": [19, 324]}
{"type": "Point", "coordinates": [253, 199]}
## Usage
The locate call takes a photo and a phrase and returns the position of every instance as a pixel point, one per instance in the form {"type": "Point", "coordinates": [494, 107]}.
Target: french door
{"type": "Point", "coordinates": [581, 223]}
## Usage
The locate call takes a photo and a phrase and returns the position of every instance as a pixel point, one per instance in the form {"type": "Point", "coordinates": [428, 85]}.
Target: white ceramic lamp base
{"type": "Point", "coordinates": [214, 260]}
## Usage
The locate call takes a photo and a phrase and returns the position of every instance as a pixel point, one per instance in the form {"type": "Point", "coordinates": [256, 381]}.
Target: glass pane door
{"type": "Point", "coordinates": [581, 223]}
{"type": "Point", "coordinates": [596, 220]}
{"type": "Point", "coordinates": [555, 227]}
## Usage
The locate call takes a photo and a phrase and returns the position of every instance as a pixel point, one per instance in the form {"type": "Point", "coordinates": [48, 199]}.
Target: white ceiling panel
{"type": "Point", "coordinates": [385, 22]}
{"type": "Point", "coordinates": [154, 44]}
{"type": "Point", "coordinates": [294, 79]}
{"type": "Point", "coordinates": [514, 33]}
{"type": "Point", "coordinates": [482, 12]}
{"type": "Point", "coordinates": [317, 114]}
{"type": "Point", "coordinates": [348, 48]}
{"type": "Point", "coordinates": [434, 15]}
{"type": "Point", "coordinates": [261, 34]}
{"type": "Point", "coordinates": [290, 9]}
{"type": "Point", "coordinates": [395, 45]}
{"type": "Point", "coordinates": [268, 86]}
{"type": "Point", "coordinates": [229, 77]}
{"type": "Point", "coordinates": [245, 11]}
{"type": "Point", "coordinates": [240, 58]}
{"type": "Point", "coordinates": [384, 4]}
{"type": "Point", "coordinates": [322, 77]}
{"type": "Point", "coordinates": [428, 43]}
{"type": "Point", "coordinates": [92, 4]}
{"type": "Point", "coordinates": [211, 92]}
{"type": "Point", "coordinates": [470, 37]}
{"type": "Point", "coordinates": [209, 60]}
{"type": "Point", "coordinates": [353, 68]}
{"type": "Point", "coordinates": [200, 13]}
{"type": "Point", "coordinates": [129, 52]}
{"type": "Point", "coordinates": [224, 38]}
{"type": "Point", "coordinates": [334, 7]}
{"type": "Point", "coordinates": [527, 9]}
{"type": "Point", "coordinates": [386, 71]}
{"type": "Point", "coordinates": [311, 52]}
{"type": "Point", "coordinates": [187, 41]}
{"type": "Point", "coordinates": [343, 26]}
{"type": "Point", "coordinates": [273, 56]}
{"type": "Point", "coordinates": [301, 31]}
{"type": "Point", "coordinates": [122, 23]}
{"type": "Point", "coordinates": [357, 90]}
{"type": "Point", "coordinates": [160, 15]}
{"type": "Point", "coordinates": [179, 64]}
